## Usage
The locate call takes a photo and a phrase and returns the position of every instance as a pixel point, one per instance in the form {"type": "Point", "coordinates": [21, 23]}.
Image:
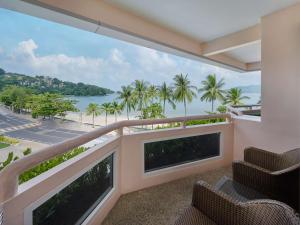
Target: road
{"type": "Point", "coordinates": [44, 134]}
{"type": "Point", "coordinates": [7, 121]}
{"type": "Point", "coordinates": [47, 132]}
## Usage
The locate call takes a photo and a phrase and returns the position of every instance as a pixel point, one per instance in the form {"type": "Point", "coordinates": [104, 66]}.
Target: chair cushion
{"type": "Point", "coordinates": [193, 216]}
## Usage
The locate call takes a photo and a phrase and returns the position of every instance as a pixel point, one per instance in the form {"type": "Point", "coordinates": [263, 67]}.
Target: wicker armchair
{"type": "Point", "coordinates": [211, 207]}
{"type": "Point", "coordinates": [274, 175]}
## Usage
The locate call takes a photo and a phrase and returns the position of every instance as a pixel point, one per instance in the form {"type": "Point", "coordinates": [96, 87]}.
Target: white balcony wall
{"type": "Point", "coordinates": [279, 129]}
{"type": "Point", "coordinates": [133, 176]}
{"type": "Point", "coordinates": [16, 209]}
{"type": "Point", "coordinates": [129, 170]}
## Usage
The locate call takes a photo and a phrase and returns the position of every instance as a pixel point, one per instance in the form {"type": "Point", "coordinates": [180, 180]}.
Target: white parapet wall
{"type": "Point", "coordinates": [128, 175]}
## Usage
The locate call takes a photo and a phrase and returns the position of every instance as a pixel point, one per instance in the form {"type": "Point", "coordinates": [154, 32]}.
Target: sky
{"type": "Point", "coordinates": [34, 46]}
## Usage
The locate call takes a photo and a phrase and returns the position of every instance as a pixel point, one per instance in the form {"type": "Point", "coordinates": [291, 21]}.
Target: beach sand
{"type": "Point", "coordinates": [99, 120]}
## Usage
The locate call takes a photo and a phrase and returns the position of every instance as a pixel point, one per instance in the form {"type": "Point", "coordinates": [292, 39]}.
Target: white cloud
{"type": "Point", "coordinates": [117, 57]}
{"type": "Point", "coordinates": [115, 70]}
{"type": "Point", "coordinates": [24, 59]}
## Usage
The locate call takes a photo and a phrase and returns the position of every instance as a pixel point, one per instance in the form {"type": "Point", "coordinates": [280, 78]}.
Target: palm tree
{"type": "Point", "coordinates": [140, 88]}
{"type": "Point", "coordinates": [212, 89]}
{"type": "Point", "coordinates": [116, 109]}
{"type": "Point", "coordinates": [126, 96]}
{"type": "Point", "coordinates": [184, 91]}
{"type": "Point", "coordinates": [94, 110]}
{"type": "Point", "coordinates": [106, 108]}
{"type": "Point", "coordinates": [152, 93]}
{"type": "Point", "coordinates": [166, 95]}
{"type": "Point", "coordinates": [234, 97]}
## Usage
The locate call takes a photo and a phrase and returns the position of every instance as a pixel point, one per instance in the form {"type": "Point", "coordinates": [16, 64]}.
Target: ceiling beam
{"type": "Point", "coordinates": [109, 16]}
{"type": "Point", "coordinates": [254, 66]}
{"type": "Point", "coordinates": [104, 18]}
{"type": "Point", "coordinates": [227, 60]}
{"type": "Point", "coordinates": [232, 41]}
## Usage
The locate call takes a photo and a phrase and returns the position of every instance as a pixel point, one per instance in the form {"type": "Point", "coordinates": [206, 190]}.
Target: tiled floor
{"type": "Point", "coordinates": [159, 205]}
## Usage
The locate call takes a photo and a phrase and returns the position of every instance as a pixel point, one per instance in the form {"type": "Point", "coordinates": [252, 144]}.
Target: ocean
{"type": "Point", "coordinates": [196, 107]}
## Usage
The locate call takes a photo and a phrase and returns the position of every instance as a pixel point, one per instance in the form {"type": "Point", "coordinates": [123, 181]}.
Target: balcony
{"type": "Point", "coordinates": [128, 159]}
{"type": "Point", "coordinates": [144, 177]}
{"type": "Point", "coordinates": [161, 204]}
{"type": "Point", "coordinates": [134, 178]}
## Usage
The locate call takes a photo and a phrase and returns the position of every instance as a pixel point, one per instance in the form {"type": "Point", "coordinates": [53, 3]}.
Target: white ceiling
{"type": "Point", "coordinates": [247, 54]}
{"type": "Point", "coordinates": [203, 20]}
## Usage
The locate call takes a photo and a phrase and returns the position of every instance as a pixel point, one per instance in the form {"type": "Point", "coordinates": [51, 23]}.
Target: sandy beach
{"type": "Point", "coordinates": [99, 120]}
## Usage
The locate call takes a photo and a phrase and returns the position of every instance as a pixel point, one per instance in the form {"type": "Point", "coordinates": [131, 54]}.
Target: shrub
{"type": "Point", "coordinates": [7, 161]}
{"type": "Point", "coordinates": [3, 145]}
{"type": "Point", "coordinates": [27, 151]}
{"type": "Point", "coordinates": [49, 164]}
{"type": "Point", "coordinates": [8, 140]}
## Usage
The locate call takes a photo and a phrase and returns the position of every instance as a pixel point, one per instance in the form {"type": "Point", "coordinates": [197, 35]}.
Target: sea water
{"type": "Point", "coordinates": [196, 107]}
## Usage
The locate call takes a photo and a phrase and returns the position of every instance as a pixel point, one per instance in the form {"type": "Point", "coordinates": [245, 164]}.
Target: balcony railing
{"type": "Point", "coordinates": [126, 163]}
{"type": "Point", "coordinates": [250, 110]}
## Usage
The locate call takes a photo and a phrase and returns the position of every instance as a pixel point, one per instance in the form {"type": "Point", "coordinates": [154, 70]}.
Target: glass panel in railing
{"type": "Point", "coordinates": [166, 153]}
{"type": "Point", "coordinates": [77, 200]}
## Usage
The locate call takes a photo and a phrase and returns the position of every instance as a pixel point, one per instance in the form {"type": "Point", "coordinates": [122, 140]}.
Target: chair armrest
{"type": "Point", "coordinates": [253, 176]}
{"type": "Point", "coordinates": [287, 170]}
{"type": "Point", "coordinates": [264, 159]}
{"type": "Point", "coordinates": [215, 204]}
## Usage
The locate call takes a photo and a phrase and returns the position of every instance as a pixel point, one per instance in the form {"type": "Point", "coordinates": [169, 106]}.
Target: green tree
{"type": "Point", "coordinates": [222, 109]}
{"type": "Point", "coordinates": [2, 71]}
{"type": "Point", "coordinates": [166, 95]}
{"type": "Point", "coordinates": [116, 109]}
{"type": "Point", "coordinates": [184, 91]}
{"type": "Point", "coordinates": [127, 99]}
{"type": "Point", "coordinates": [152, 94]}
{"type": "Point", "coordinates": [234, 97]}
{"type": "Point", "coordinates": [212, 89]}
{"type": "Point", "coordinates": [46, 105]}
{"type": "Point", "coordinates": [66, 105]}
{"type": "Point", "coordinates": [50, 105]}
{"type": "Point", "coordinates": [15, 97]}
{"type": "Point", "coordinates": [140, 88]}
{"type": "Point", "coordinates": [94, 110]}
{"type": "Point", "coordinates": [153, 111]}
{"type": "Point", "coordinates": [106, 108]}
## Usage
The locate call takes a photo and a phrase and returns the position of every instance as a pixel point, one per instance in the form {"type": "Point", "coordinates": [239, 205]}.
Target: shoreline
{"type": "Point", "coordinates": [99, 120]}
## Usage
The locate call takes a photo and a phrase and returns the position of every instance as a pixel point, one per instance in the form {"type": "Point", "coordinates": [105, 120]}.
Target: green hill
{"type": "Point", "coordinates": [42, 84]}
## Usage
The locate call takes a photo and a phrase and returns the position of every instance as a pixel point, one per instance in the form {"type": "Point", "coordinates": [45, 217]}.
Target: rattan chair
{"type": "Point", "coordinates": [210, 207]}
{"type": "Point", "coordinates": [274, 175]}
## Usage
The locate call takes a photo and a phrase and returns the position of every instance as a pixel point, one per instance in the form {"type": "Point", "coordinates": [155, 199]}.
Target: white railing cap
{"type": "Point", "coordinates": [9, 175]}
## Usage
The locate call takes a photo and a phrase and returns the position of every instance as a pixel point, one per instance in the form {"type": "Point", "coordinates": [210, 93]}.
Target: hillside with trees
{"type": "Point", "coordinates": [46, 105]}
{"type": "Point", "coordinates": [45, 84]}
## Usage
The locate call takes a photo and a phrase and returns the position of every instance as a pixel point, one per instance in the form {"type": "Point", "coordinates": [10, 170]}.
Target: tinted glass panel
{"type": "Point", "coordinates": [173, 152]}
{"type": "Point", "coordinates": [76, 201]}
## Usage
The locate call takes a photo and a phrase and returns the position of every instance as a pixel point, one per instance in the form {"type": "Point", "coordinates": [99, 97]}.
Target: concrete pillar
{"type": "Point", "coordinates": [281, 71]}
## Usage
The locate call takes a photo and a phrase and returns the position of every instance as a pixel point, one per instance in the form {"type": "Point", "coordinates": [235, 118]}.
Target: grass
{"type": "Point", "coordinates": [49, 164]}
{"type": "Point", "coordinates": [3, 145]}
{"type": "Point", "coordinates": [8, 140]}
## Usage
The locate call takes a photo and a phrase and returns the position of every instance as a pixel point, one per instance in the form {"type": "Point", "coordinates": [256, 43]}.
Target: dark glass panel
{"type": "Point", "coordinates": [161, 154]}
{"type": "Point", "coordinates": [76, 201]}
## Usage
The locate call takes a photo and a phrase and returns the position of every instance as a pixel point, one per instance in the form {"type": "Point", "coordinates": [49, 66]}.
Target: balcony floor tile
{"type": "Point", "coordinates": [162, 204]}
